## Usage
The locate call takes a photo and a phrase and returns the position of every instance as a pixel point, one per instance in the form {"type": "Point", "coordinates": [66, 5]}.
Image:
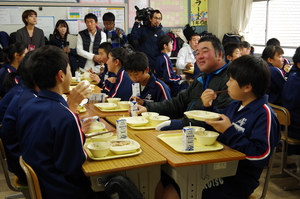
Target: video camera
{"type": "Point", "coordinates": [143, 14]}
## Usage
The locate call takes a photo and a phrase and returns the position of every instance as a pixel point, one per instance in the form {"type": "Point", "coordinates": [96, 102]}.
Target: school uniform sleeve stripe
{"type": "Point", "coordinates": [268, 131]}
{"type": "Point", "coordinates": [169, 72]}
{"type": "Point", "coordinates": [162, 89]}
{"type": "Point", "coordinates": [82, 136]}
{"type": "Point", "coordinates": [118, 85]}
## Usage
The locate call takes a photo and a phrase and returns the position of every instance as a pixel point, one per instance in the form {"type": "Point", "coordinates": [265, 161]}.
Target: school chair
{"type": "Point", "coordinates": [268, 175]}
{"type": "Point", "coordinates": [32, 180]}
{"type": "Point", "coordinates": [17, 185]}
{"type": "Point", "coordinates": [284, 118]}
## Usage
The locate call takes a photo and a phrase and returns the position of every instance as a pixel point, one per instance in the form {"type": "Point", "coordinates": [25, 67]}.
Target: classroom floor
{"type": "Point", "coordinates": [275, 190]}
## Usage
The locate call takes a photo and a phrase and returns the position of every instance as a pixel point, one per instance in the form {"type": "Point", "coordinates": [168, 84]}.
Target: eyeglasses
{"type": "Point", "coordinates": [109, 24]}
{"type": "Point", "coordinates": [156, 18]}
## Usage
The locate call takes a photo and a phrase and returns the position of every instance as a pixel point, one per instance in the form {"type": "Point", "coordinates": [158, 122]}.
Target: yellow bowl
{"type": "Point", "coordinates": [156, 120]}
{"type": "Point", "coordinates": [206, 137]}
{"type": "Point", "coordinates": [124, 104]}
{"type": "Point", "coordinates": [113, 100]}
{"type": "Point", "coordinates": [102, 138]}
{"type": "Point", "coordinates": [148, 114]}
{"type": "Point", "coordinates": [99, 149]}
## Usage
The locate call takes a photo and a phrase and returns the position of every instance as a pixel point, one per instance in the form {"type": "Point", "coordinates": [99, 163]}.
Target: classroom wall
{"type": "Point", "coordinates": [219, 20]}
{"type": "Point", "coordinates": [219, 17]}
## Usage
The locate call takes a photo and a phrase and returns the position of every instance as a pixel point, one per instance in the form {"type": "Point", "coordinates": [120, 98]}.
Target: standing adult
{"type": "Point", "coordinates": [31, 36]}
{"type": "Point", "coordinates": [88, 42]}
{"type": "Point", "coordinates": [148, 35]}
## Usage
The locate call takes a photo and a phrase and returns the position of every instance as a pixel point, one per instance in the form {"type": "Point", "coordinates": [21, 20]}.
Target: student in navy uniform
{"type": "Point", "coordinates": [290, 100]}
{"type": "Point", "coordinates": [16, 85]}
{"type": "Point", "coordinates": [247, 125]}
{"type": "Point", "coordinates": [273, 56]}
{"type": "Point", "coordinates": [152, 89]}
{"type": "Point", "coordinates": [13, 56]}
{"type": "Point", "coordinates": [105, 79]}
{"type": "Point", "coordinates": [31, 36]}
{"type": "Point", "coordinates": [123, 86]}
{"type": "Point", "coordinates": [50, 133]}
{"type": "Point", "coordinates": [163, 67]}
{"type": "Point", "coordinates": [232, 51]}
{"type": "Point", "coordinates": [116, 36]}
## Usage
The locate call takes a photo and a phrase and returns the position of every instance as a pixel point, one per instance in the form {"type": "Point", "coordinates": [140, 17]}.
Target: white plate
{"type": "Point", "coordinates": [106, 106]}
{"type": "Point", "coordinates": [135, 121]}
{"type": "Point", "coordinates": [202, 115]}
{"type": "Point", "coordinates": [124, 146]}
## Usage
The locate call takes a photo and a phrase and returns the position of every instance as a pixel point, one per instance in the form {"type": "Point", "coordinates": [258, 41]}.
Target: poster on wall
{"type": "Point", "coordinates": [199, 13]}
{"type": "Point", "coordinates": [175, 12]}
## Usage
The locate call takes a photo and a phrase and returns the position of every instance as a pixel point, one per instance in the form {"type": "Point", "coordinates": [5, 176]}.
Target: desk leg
{"type": "Point", "coordinates": [192, 179]}
{"type": "Point", "coordinates": [145, 179]}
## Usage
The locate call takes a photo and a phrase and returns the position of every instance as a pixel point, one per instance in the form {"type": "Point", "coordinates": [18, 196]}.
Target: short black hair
{"type": "Point", "coordinates": [155, 11]}
{"type": "Point", "coordinates": [22, 71]}
{"type": "Point", "coordinates": [162, 40]}
{"type": "Point", "coordinates": [108, 17]}
{"type": "Point", "coordinates": [248, 69]}
{"type": "Point", "coordinates": [270, 51]}
{"type": "Point", "coordinates": [273, 42]}
{"type": "Point", "coordinates": [136, 61]}
{"type": "Point", "coordinates": [120, 54]}
{"type": "Point", "coordinates": [9, 51]}
{"type": "Point", "coordinates": [245, 44]}
{"type": "Point", "coordinates": [90, 16]}
{"type": "Point", "coordinates": [44, 64]}
{"type": "Point", "coordinates": [296, 60]}
{"type": "Point", "coordinates": [230, 47]}
{"type": "Point", "coordinates": [27, 13]}
{"type": "Point", "coordinates": [192, 35]}
{"type": "Point", "coordinates": [106, 46]}
{"type": "Point", "coordinates": [215, 42]}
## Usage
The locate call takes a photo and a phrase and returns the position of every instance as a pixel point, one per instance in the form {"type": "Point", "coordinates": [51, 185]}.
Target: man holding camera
{"type": "Point", "coordinates": [148, 34]}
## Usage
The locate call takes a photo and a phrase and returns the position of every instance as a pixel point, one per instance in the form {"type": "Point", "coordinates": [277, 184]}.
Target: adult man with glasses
{"type": "Point", "coordinates": [116, 36]}
{"type": "Point", "coordinates": [148, 35]}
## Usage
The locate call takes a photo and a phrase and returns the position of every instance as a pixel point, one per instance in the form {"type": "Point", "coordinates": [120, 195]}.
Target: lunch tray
{"type": "Point", "coordinates": [110, 154]}
{"type": "Point", "coordinates": [174, 140]}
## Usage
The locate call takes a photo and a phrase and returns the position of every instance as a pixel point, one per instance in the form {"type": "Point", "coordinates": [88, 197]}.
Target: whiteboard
{"type": "Point", "coordinates": [57, 11]}
{"type": "Point", "coordinates": [47, 24]}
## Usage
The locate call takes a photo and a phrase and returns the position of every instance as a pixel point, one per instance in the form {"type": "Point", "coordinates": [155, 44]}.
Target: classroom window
{"type": "Point", "coordinates": [275, 18]}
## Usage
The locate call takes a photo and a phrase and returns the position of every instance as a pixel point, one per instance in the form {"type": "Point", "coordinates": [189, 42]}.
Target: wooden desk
{"type": "Point", "coordinates": [192, 171]}
{"type": "Point", "coordinates": [143, 169]}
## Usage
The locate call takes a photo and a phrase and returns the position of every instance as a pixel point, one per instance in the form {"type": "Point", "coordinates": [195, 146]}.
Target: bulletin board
{"type": "Point", "coordinates": [49, 13]}
{"type": "Point", "coordinates": [174, 12]}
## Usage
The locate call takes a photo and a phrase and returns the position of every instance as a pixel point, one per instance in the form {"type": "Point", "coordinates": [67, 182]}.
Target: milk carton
{"type": "Point", "coordinates": [188, 139]}
{"type": "Point", "coordinates": [136, 89]}
{"type": "Point", "coordinates": [133, 109]}
{"type": "Point", "coordinates": [121, 127]}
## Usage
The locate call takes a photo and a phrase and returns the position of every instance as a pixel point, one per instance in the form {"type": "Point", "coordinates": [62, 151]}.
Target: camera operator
{"type": "Point", "coordinates": [148, 34]}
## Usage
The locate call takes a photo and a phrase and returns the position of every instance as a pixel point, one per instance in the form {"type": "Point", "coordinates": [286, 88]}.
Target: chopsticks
{"type": "Point", "coordinates": [221, 91]}
{"type": "Point", "coordinates": [96, 133]}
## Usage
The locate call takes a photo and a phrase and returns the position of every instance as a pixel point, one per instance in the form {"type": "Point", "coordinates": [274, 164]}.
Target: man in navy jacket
{"type": "Point", "coordinates": [148, 36]}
